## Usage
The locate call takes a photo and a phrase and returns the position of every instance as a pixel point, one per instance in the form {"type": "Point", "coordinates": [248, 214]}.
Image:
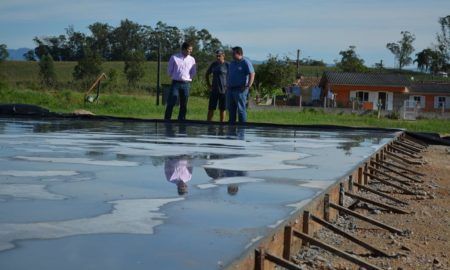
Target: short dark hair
{"type": "Point", "coordinates": [238, 50]}
{"type": "Point", "coordinates": [185, 45]}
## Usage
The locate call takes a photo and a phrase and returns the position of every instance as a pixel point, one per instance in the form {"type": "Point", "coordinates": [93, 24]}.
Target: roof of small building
{"type": "Point", "coordinates": [370, 79]}
{"type": "Point", "coordinates": [430, 88]}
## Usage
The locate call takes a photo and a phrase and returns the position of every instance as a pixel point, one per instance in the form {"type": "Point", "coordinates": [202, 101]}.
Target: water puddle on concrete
{"type": "Point", "coordinates": [114, 195]}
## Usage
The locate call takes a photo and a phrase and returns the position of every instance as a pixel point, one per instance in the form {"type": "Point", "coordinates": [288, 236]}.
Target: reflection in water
{"type": "Point", "coordinates": [215, 174]}
{"type": "Point", "coordinates": [178, 171]}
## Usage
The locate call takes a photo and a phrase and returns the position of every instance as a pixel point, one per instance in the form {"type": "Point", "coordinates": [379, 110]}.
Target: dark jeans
{"type": "Point", "coordinates": [177, 90]}
{"type": "Point", "coordinates": [236, 103]}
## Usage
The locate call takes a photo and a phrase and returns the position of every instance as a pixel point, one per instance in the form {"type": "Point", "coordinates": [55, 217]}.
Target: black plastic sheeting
{"type": "Point", "coordinates": [33, 111]}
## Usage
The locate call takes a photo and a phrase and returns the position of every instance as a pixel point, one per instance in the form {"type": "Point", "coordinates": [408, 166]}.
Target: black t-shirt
{"type": "Point", "coordinates": [219, 72]}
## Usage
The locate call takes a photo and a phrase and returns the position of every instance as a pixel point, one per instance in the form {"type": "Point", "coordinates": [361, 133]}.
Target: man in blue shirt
{"type": "Point", "coordinates": [241, 75]}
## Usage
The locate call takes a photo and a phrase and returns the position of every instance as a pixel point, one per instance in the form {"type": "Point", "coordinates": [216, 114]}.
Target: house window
{"type": "Point", "coordinates": [440, 102]}
{"type": "Point", "coordinates": [418, 101]}
{"type": "Point", "coordinates": [362, 96]}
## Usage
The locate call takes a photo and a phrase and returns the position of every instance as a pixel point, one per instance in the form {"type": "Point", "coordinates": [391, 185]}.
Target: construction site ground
{"type": "Point", "coordinates": [426, 242]}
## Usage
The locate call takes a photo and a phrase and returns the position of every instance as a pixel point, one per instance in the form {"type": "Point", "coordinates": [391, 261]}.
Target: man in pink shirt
{"type": "Point", "coordinates": [181, 69]}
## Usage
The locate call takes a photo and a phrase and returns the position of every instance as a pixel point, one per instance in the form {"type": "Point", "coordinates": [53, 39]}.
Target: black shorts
{"type": "Point", "coordinates": [217, 98]}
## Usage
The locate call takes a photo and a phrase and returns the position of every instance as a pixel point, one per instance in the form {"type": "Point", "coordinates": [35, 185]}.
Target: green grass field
{"type": "Point", "coordinates": [143, 106]}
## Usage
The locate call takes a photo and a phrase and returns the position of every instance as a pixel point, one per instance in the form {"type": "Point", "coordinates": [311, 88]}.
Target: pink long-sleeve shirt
{"type": "Point", "coordinates": [181, 68]}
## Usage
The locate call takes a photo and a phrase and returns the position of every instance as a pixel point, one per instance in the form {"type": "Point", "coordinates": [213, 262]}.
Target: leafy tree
{"type": "Point", "coordinates": [424, 59]}
{"type": "Point", "coordinates": [88, 67]}
{"type": "Point", "coordinates": [29, 56]}
{"type": "Point", "coordinates": [47, 71]}
{"type": "Point", "coordinates": [134, 67]}
{"type": "Point", "coordinates": [274, 74]}
{"type": "Point", "coordinates": [74, 47]}
{"type": "Point", "coordinates": [403, 49]}
{"type": "Point", "coordinates": [3, 52]}
{"type": "Point", "coordinates": [127, 37]}
{"type": "Point", "coordinates": [443, 41]}
{"type": "Point", "coordinates": [100, 41]}
{"type": "Point", "coordinates": [350, 61]}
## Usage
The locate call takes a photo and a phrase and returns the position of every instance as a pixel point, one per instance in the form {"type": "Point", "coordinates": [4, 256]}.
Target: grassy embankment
{"type": "Point", "coordinates": [22, 86]}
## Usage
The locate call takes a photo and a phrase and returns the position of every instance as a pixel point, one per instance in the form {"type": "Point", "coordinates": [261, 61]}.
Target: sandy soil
{"type": "Point", "coordinates": [426, 242]}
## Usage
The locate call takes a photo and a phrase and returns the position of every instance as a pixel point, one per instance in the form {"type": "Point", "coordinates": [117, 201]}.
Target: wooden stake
{"type": "Point", "coordinates": [380, 204]}
{"type": "Point", "coordinates": [287, 243]}
{"type": "Point", "coordinates": [405, 190]}
{"type": "Point", "coordinates": [379, 193]}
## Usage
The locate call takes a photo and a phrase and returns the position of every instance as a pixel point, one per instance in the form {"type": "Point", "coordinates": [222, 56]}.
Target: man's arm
{"type": "Point", "coordinates": [193, 70]}
{"type": "Point", "coordinates": [170, 66]}
{"type": "Point", "coordinates": [251, 80]}
{"type": "Point", "coordinates": [207, 75]}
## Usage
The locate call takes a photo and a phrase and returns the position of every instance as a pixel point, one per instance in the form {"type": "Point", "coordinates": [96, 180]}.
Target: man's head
{"type": "Point", "coordinates": [220, 56]}
{"type": "Point", "coordinates": [238, 53]}
{"type": "Point", "coordinates": [186, 48]}
{"type": "Point", "coordinates": [182, 188]}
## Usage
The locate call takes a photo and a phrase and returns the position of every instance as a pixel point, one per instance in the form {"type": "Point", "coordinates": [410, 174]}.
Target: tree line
{"type": "Point", "coordinates": [116, 43]}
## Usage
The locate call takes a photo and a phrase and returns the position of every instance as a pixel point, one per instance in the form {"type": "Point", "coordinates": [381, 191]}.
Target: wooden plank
{"type": "Point", "coordinates": [380, 204]}
{"type": "Point", "coordinates": [413, 148]}
{"type": "Point", "coordinates": [401, 151]}
{"type": "Point", "coordinates": [397, 172]}
{"type": "Point", "coordinates": [350, 237]}
{"type": "Point", "coordinates": [402, 168]}
{"type": "Point", "coordinates": [366, 219]}
{"type": "Point", "coordinates": [390, 176]}
{"type": "Point", "coordinates": [405, 190]}
{"type": "Point", "coordinates": [379, 193]}
{"type": "Point", "coordinates": [259, 259]}
{"type": "Point", "coordinates": [287, 242]}
{"type": "Point", "coordinates": [281, 262]}
{"type": "Point", "coordinates": [336, 251]}
{"type": "Point", "coordinates": [411, 162]}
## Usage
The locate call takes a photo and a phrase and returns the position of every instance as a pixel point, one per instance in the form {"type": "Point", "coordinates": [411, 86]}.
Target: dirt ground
{"type": "Point", "coordinates": [425, 243]}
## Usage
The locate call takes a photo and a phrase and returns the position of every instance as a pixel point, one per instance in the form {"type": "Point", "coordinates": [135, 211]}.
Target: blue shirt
{"type": "Point", "coordinates": [238, 73]}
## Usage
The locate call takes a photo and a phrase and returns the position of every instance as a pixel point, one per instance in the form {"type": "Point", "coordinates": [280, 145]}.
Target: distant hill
{"type": "Point", "coordinates": [17, 54]}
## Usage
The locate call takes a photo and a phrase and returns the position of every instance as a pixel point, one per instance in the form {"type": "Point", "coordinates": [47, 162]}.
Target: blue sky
{"type": "Point", "coordinates": [319, 28]}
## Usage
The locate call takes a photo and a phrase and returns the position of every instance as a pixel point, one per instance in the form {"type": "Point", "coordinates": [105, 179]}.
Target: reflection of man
{"type": "Point", "coordinates": [216, 174]}
{"type": "Point", "coordinates": [178, 171]}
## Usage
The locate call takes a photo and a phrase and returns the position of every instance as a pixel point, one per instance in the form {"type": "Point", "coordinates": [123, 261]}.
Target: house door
{"type": "Point", "coordinates": [383, 99]}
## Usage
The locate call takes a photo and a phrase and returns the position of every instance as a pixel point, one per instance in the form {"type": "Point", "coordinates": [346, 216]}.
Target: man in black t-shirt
{"type": "Point", "coordinates": [219, 70]}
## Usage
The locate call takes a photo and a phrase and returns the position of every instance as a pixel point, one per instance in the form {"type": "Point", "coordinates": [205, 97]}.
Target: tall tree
{"type": "Point", "coordinates": [126, 37]}
{"type": "Point", "coordinates": [443, 41]}
{"type": "Point", "coordinates": [350, 61]}
{"type": "Point", "coordinates": [99, 41]}
{"type": "Point", "coordinates": [134, 67]}
{"type": "Point", "coordinates": [47, 71]}
{"type": "Point", "coordinates": [402, 49]}
{"type": "Point", "coordinates": [424, 59]}
{"type": "Point", "coordinates": [3, 52]}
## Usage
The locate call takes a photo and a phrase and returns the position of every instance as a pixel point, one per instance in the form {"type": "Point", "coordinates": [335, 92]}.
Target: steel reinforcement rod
{"type": "Point", "coordinates": [350, 237]}
{"type": "Point", "coordinates": [335, 251]}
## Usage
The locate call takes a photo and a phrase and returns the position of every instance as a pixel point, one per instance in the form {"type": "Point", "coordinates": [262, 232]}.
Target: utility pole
{"type": "Point", "coordinates": [298, 62]}
{"type": "Point", "coordinates": [158, 79]}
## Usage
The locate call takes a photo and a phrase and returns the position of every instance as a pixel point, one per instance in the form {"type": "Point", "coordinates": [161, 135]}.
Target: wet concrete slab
{"type": "Point", "coordinates": [114, 195]}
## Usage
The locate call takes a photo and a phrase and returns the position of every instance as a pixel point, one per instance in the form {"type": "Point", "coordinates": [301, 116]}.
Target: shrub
{"type": "Point", "coordinates": [47, 71]}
